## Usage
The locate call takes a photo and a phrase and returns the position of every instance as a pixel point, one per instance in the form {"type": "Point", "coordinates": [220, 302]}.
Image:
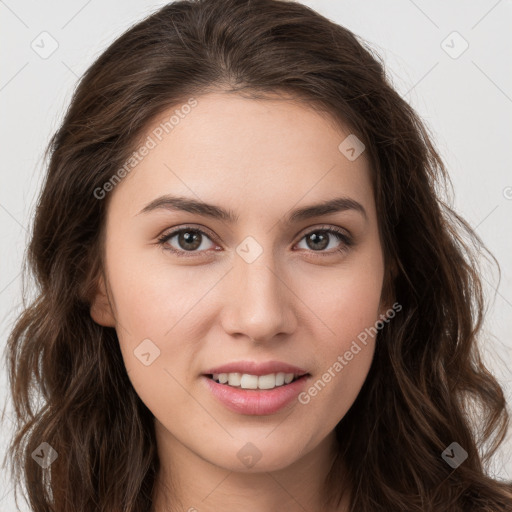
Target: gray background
{"type": "Point", "coordinates": [465, 97]}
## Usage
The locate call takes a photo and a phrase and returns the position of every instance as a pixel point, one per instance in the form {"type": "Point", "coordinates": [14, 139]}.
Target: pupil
{"type": "Point", "coordinates": [322, 240]}
{"type": "Point", "coordinates": [188, 237]}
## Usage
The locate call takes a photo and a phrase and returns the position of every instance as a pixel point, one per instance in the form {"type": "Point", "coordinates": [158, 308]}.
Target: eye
{"type": "Point", "coordinates": [320, 238]}
{"type": "Point", "coordinates": [192, 241]}
{"type": "Point", "coordinates": [188, 240]}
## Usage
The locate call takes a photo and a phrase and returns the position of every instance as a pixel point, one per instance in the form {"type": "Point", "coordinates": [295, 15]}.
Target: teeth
{"type": "Point", "coordinates": [247, 381]}
{"type": "Point", "coordinates": [234, 379]}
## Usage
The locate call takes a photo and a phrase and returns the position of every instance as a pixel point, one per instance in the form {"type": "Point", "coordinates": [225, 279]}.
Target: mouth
{"type": "Point", "coordinates": [256, 382]}
{"type": "Point", "coordinates": [255, 395]}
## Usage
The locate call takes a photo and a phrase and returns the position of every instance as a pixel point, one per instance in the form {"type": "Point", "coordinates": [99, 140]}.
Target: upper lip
{"type": "Point", "coordinates": [254, 368]}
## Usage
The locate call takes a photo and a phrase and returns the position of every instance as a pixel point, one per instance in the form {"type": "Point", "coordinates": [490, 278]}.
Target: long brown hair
{"type": "Point", "coordinates": [426, 379]}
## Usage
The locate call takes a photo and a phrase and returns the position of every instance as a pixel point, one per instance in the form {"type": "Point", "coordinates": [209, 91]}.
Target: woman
{"type": "Point", "coordinates": [251, 296]}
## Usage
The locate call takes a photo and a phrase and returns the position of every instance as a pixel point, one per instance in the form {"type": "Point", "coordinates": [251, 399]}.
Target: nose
{"type": "Point", "coordinates": [259, 304]}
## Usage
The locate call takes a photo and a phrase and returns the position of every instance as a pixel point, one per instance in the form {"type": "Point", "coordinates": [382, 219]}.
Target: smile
{"type": "Point", "coordinates": [249, 381]}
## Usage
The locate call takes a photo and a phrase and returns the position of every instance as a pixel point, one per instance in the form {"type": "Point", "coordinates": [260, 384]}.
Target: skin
{"type": "Point", "coordinates": [260, 159]}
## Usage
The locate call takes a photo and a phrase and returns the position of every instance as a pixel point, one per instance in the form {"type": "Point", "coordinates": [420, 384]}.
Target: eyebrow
{"type": "Point", "coordinates": [174, 203]}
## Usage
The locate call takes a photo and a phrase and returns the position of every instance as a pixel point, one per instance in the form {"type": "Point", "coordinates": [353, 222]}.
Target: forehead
{"type": "Point", "coordinates": [249, 152]}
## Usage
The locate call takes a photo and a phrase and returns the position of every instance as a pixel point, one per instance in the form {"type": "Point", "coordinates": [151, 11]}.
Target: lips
{"type": "Point", "coordinates": [255, 402]}
{"type": "Point", "coordinates": [242, 397]}
{"type": "Point", "coordinates": [254, 368]}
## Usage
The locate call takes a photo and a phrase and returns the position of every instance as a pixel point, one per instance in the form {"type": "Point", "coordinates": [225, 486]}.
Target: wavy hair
{"type": "Point", "coordinates": [427, 385]}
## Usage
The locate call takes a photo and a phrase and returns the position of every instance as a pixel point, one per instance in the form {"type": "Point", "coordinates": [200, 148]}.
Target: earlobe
{"type": "Point", "coordinates": [101, 310]}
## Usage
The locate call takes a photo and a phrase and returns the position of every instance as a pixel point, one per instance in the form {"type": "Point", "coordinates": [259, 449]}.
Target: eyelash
{"type": "Point", "coordinates": [341, 235]}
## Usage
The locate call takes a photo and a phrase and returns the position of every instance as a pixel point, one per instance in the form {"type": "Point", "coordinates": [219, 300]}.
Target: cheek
{"type": "Point", "coordinates": [345, 310]}
{"type": "Point", "coordinates": [157, 299]}
{"type": "Point", "coordinates": [342, 301]}
{"type": "Point", "coordinates": [157, 309]}
{"type": "Point", "coordinates": [345, 346]}
{"type": "Point", "coordinates": [333, 391]}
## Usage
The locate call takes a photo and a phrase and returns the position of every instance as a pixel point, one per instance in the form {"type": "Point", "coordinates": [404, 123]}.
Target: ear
{"type": "Point", "coordinates": [101, 310]}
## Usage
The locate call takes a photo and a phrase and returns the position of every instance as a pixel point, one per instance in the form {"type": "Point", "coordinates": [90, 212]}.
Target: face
{"type": "Point", "coordinates": [268, 285]}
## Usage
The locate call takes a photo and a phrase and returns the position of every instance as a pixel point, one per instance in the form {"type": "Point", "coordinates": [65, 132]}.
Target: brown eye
{"type": "Point", "coordinates": [316, 241]}
{"type": "Point", "coordinates": [320, 239]}
{"type": "Point", "coordinates": [187, 240]}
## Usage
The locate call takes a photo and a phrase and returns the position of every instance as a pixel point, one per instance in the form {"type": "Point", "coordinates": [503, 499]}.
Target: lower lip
{"type": "Point", "coordinates": [254, 401]}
